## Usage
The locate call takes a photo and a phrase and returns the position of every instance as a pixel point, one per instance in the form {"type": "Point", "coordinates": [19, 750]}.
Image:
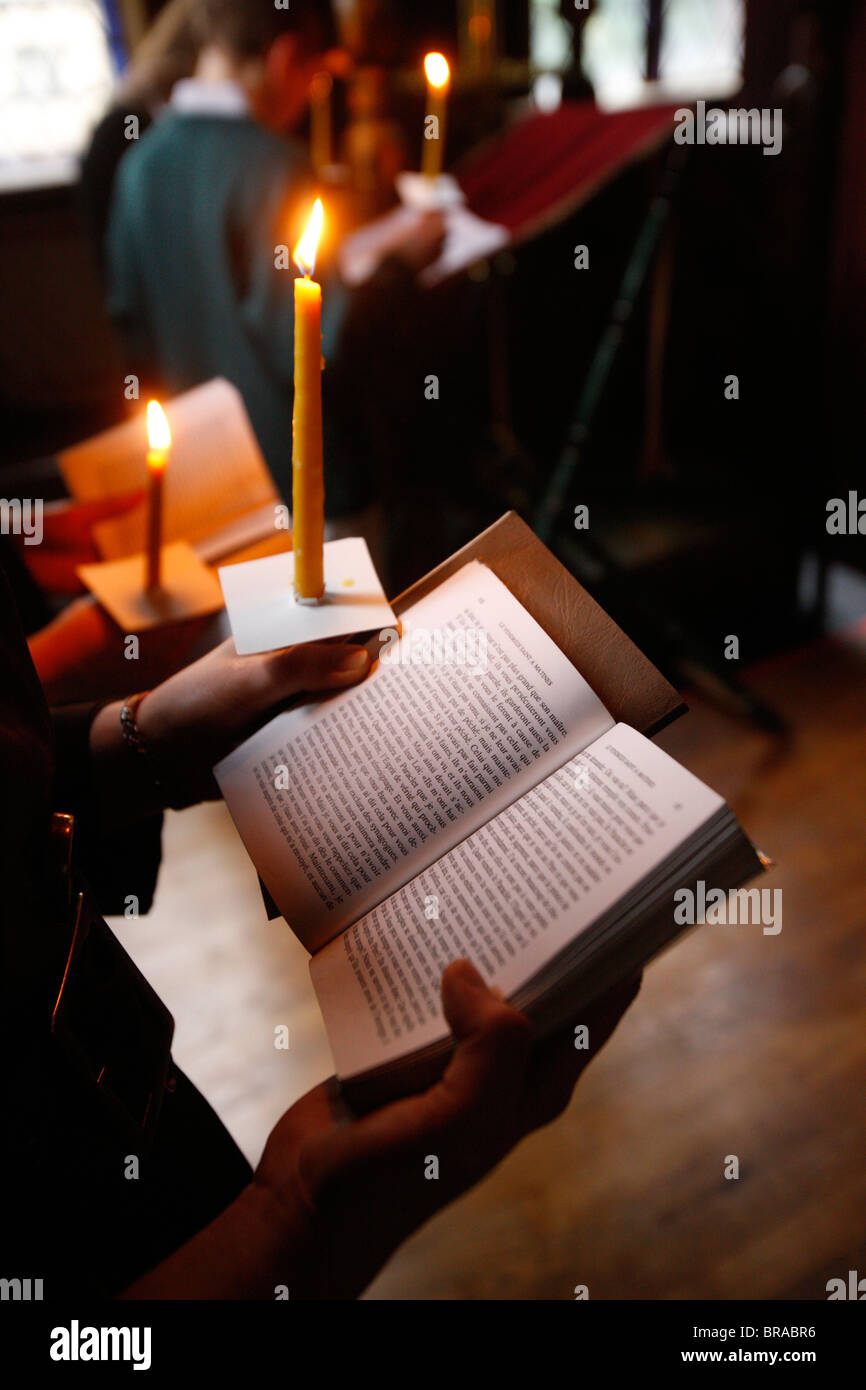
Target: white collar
{"type": "Point", "coordinates": [196, 98]}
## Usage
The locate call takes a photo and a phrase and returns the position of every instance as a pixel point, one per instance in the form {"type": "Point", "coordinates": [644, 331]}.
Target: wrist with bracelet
{"type": "Point", "coordinates": [134, 740]}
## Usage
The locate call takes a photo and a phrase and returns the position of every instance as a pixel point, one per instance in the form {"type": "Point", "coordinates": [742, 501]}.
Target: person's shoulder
{"type": "Point", "coordinates": [149, 148]}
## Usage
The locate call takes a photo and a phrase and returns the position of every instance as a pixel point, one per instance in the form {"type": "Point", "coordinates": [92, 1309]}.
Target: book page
{"type": "Point", "coordinates": [509, 898]}
{"type": "Point", "coordinates": [341, 802]}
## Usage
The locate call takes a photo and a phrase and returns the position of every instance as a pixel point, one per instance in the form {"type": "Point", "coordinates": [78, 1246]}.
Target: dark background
{"type": "Point", "coordinates": [768, 266]}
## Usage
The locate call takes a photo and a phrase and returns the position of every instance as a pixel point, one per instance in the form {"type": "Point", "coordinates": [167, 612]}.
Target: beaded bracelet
{"type": "Point", "coordinates": [134, 738]}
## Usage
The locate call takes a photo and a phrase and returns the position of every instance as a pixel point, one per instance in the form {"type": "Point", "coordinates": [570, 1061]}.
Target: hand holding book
{"type": "Point", "coordinates": [366, 1178]}
{"type": "Point", "coordinates": [334, 1194]}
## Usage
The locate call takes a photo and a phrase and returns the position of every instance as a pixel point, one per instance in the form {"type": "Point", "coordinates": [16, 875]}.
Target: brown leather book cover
{"type": "Point", "coordinates": [624, 679]}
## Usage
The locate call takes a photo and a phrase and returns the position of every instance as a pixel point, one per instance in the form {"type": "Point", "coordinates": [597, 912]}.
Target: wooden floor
{"type": "Point", "coordinates": [739, 1044]}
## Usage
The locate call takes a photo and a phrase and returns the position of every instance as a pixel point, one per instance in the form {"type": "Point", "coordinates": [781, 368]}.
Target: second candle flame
{"type": "Point", "coordinates": [158, 432]}
{"type": "Point", "coordinates": [305, 252]}
{"type": "Point", "coordinates": [436, 69]}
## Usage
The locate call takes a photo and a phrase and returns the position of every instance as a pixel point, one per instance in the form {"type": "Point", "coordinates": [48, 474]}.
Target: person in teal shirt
{"type": "Point", "coordinates": [202, 203]}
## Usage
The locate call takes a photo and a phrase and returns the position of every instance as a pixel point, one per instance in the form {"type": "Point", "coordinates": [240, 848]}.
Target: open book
{"type": "Point", "coordinates": [219, 495]}
{"type": "Point", "coordinates": [474, 797]}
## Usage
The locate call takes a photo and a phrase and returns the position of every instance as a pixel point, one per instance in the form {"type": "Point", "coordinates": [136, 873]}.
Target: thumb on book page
{"type": "Point", "coordinates": [493, 1040]}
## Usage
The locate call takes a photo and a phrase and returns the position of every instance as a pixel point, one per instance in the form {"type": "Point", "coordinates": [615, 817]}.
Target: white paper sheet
{"type": "Point", "coordinates": [264, 615]}
{"type": "Point", "coordinates": [467, 239]}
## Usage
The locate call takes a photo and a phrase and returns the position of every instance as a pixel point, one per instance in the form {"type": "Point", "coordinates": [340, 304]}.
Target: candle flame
{"type": "Point", "coordinates": [305, 251]}
{"type": "Point", "coordinates": [436, 69]}
{"type": "Point", "coordinates": [158, 432]}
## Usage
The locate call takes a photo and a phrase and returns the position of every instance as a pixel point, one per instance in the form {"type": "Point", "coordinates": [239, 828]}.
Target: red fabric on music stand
{"type": "Point", "coordinates": [548, 163]}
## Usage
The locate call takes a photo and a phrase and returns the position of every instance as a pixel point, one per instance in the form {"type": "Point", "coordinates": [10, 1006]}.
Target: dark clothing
{"type": "Point", "coordinates": [72, 1215]}
{"type": "Point", "coordinates": [110, 141]}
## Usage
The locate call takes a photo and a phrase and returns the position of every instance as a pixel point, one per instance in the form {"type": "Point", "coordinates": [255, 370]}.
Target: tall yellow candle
{"type": "Point", "coordinates": [308, 485]}
{"type": "Point", "coordinates": [159, 441]}
{"type": "Point", "coordinates": [438, 77]}
{"type": "Point", "coordinates": [320, 121]}
{"type": "Point", "coordinates": [477, 30]}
